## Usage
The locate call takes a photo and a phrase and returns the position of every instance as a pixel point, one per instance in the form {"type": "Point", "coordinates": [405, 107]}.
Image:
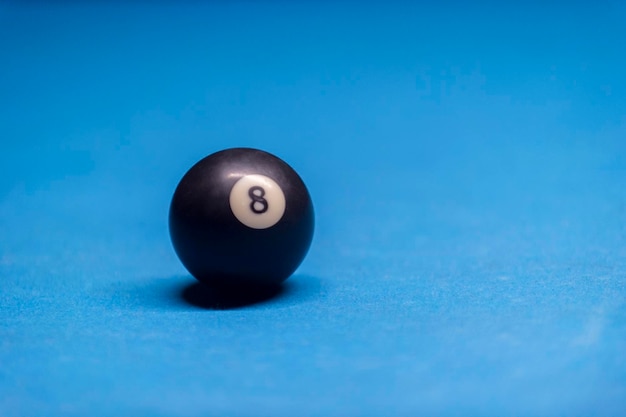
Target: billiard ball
{"type": "Point", "coordinates": [241, 216]}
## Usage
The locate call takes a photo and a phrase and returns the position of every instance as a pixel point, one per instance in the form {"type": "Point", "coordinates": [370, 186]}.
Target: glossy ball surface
{"type": "Point", "coordinates": [241, 216]}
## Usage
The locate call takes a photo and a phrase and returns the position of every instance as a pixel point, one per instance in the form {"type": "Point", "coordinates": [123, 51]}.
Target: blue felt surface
{"type": "Point", "coordinates": [467, 165]}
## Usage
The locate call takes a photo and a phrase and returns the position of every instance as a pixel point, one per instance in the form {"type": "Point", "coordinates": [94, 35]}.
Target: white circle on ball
{"type": "Point", "coordinates": [257, 201]}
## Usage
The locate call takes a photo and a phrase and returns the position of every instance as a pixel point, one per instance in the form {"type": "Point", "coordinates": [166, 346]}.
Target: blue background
{"type": "Point", "coordinates": [468, 169]}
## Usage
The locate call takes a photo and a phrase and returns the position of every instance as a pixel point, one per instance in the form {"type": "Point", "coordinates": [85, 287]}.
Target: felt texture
{"type": "Point", "coordinates": [468, 172]}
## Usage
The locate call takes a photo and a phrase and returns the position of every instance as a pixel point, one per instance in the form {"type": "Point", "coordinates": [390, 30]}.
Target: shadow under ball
{"type": "Point", "coordinates": [241, 216]}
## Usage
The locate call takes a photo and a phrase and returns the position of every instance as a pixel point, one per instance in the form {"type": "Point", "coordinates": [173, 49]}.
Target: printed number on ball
{"type": "Point", "coordinates": [257, 201]}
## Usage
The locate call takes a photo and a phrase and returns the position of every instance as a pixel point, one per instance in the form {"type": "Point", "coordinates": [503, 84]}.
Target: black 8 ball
{"type": "Point", "coordinates": [241, 217]}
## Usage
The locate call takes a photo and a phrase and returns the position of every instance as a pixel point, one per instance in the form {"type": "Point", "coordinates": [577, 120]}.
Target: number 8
{"type": "Point", "coordinates": [256, 194]}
